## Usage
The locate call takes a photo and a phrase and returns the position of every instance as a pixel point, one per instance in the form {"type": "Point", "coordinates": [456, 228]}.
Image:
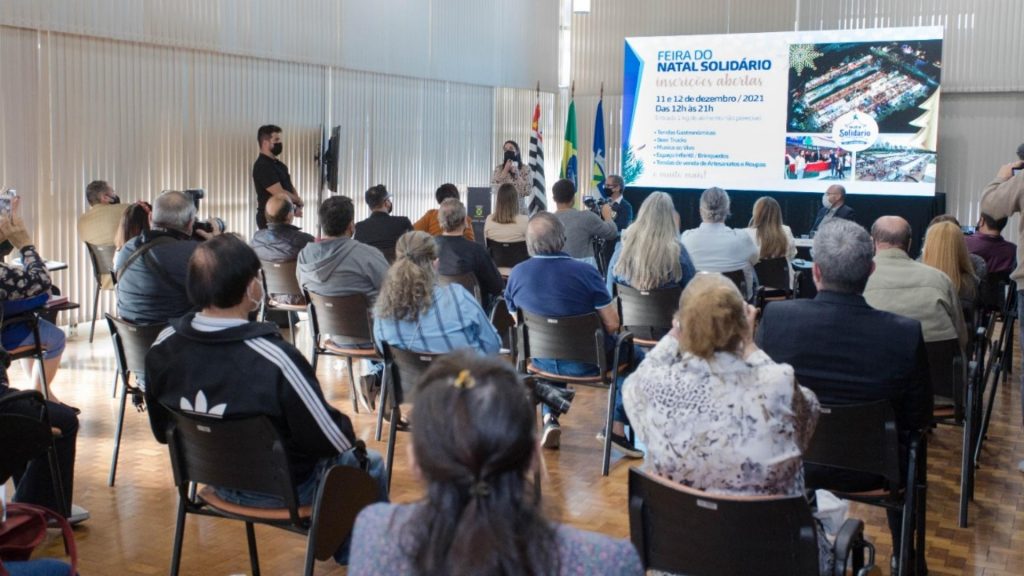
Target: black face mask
{"type": "Point", "coordinates": [276, 149]}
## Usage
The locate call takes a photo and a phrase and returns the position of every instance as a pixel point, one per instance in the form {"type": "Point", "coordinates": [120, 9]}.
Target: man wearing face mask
{"type": "Point", "coordinates": [381, 230]}
{"type": "Point", "coordinates": [833, 205]}
{"type": "Point", "coordinates": [270, 176]}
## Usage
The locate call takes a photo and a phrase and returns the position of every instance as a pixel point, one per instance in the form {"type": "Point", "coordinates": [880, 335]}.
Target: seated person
{"type": "Point", "coordinates": [430, 224]}
{"type": "Point", "coordinates": [475, 447]}
{"type": "Point", "coordinates": [25, 288]}
{"type": "Point", "coordinates": [650, 255]}
{"type": "Point", "coordinates": [506, 224]}
{"type": "Point", "coordinates": [34, 484]}
{"type": "Point", "coordinates": [218, 358]}
{"type": "Point", "coordinates": [772, 238]}
{"type": "Point", "coordinates": [381, 230]}
{"type": "Point", "coordinates": [580, 290]}
{"type": "Point", "coordinates": [98, 224]}
{"type": "Point", "coordinates": [848, 352]}
{"type": "Point", "coordinates": [134, 221]}
{"type": "Point", "coordinates": [714, 247]}
{"type": "Point", "coordinates": [414, 312]}
{"type": "Point", "coordinates": [833, 205]}
{"type": "Point", "coordinates": [691, 402]}
{"type": "Point", "coordinates": [281, 241]}
{"type": "Point", "coordinates": [944, 249]}
{"type": "Point", "coordinates": [987, 242]}
{"type": "Point", "coordinates": [460, 256]}
{"type": "Point", "coordinates": [582, 227]}
{"type": "Point", "coordinates": [912, 289]}
{"type": "Point", "coordinates": [151, 267]}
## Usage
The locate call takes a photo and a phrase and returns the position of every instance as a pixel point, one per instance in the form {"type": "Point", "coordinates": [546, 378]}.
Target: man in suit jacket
{"type": "Point", "coordinates": [846, 351]}
{"type": "Point", "coordinates": [381, 230]}
{"type": "Point", "coordinates": [833, 206]}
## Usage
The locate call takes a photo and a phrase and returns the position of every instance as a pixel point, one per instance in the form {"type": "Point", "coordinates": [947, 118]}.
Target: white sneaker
{"type": "Point", "coordinates": [78, 515]}
{"type": "Point", "coordinates": [552, 435]}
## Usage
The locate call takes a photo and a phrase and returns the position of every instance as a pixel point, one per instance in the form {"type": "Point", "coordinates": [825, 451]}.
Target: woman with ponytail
{"type": "Point", "coordinates": [474, 446]}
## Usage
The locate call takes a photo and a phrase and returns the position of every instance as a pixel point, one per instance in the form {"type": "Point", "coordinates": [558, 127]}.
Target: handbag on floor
{"type": "Point", "coordinates": [23, 528]}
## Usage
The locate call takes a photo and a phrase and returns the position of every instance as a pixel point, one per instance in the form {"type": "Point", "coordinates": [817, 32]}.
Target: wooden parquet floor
{"type": "Point", "coordinates": [131, 528]}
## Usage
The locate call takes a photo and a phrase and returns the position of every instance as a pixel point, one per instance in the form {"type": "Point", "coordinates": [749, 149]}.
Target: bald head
{"type": "Point", "coordinates": [280, 210]}
{"type": "Point", "coordinates": [891, 232]}
{"type": "Point", "coordinates": [545, 234]}
{"type": "Point", "coordinates": [836, 195]}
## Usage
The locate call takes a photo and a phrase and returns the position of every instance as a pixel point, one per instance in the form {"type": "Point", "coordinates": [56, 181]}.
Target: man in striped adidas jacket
{"type": "Point", "coordinates": [217, 363]}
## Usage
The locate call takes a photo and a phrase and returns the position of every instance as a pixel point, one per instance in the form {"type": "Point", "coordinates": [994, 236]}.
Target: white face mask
{"type": "Point", "coordinates": [825, 202]}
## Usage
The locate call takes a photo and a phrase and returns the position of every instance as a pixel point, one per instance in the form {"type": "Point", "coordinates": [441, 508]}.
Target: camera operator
{"type": "Point", "coordinates": [582, 227]}
{"type": "Point", "coordinates": [151, 268]}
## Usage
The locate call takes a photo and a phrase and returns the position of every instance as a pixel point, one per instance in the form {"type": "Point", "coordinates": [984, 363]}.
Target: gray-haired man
{"type": "Point", "coordinates": [714, 247]}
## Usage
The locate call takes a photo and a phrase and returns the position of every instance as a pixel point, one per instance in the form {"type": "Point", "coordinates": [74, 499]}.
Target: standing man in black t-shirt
{"type": "Point", "coordinates": [270, 175]}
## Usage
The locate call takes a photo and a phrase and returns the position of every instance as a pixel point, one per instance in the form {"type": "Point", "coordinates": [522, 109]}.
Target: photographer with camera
{"type": "Point", "coordinates": [151, 268]}
{"type": "Point", "coordinates": [513, 171]}
{"type": "Point", "coordinates": [583, 227]}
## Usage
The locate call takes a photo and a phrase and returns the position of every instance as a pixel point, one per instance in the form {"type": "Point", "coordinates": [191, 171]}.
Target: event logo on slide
{"type": "Point", "coordinates": [855, 131]}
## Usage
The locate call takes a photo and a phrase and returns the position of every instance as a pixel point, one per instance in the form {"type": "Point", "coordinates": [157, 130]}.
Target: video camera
{"type": "Point", "coordinates": [559, 400]}
{"type": "Point", "coordinates": [594, 204]}
{"type": "Point", "coordinates": [197, 194]}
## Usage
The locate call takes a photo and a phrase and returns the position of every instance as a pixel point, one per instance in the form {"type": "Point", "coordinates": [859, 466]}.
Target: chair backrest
{"type": "Point", "coordinates": [467, 281]}
{"type": "Point", "coordinates": [647, 313]}
{"type": "Point", "coordinates": [857, 438]}
{"type": "Point", "coordinates": [739, 279]}
{"type": "Point", "coordinates": [565, 338]}
{"type": "Point", "coordinates": [503, 322]}
{"type": "Point", "coordinates": [346, 318]}
{"type": "Point", "coordinates": [241, 454]}
{"type": "Point", "coordinates": [133, 341]}
{"type": "Point", "coordinates": [774, 273]}
{"type": "Point", "coordinates": [406, 368]}
{"type": "Point", "coordinates": [946, 367]}
{"type": "Point", "coordinates": [507, 254]}
{"type": "Point", "coordinates": [102, 258]}
{"type": "Point", "coordinates": [279, 278]}
{"type": "Point", "coordinates": [685, 531]}
{"type": "Point", "coordinates": [992, 292]}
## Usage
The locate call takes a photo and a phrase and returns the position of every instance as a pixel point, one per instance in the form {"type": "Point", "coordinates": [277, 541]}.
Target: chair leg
{"type": "Point", "coordinates": [909, 516]}
{"type": "Point", "coordinates": [179, 535]}
{"type": "Point", "coordinates": [291, 326]}
{"type": "Point", "coordinates": [381, 403]}
{"type": "Point", "coordinates": [95, 306]}
{"type": "Point", "coordinates": [983, 427]}
{"type": "Point", "coordinates": [607, 451]}
{"type": "Point", "coordinates": [254, 560]}
{"type": "Point", "coordinates": [392, 436]}
{"type": "Point", "coordinates": [352, 384]}
{"type": "Point", "coordinates": [314, 357]}
{"type": "Point", "coordinates": [309, 564]}
{"type": "Point", "coordinates": [117, 434]}
{"type": "Point", "coordinates": [113, 388]}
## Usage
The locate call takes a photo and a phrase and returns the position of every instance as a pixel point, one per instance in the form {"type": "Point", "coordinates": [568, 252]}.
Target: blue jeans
{"type": "Point", "coordinates": [21, 335]}
{"type": "Point", "coordinates": [307, 489]}
{"type": "Point", "coordinates": [574, 368]}
{"type": "Point", "coordinates": [38, 567]}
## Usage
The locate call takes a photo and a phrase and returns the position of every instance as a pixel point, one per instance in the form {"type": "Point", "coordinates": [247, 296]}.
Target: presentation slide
{"type": "Point", "coordinates": [784, 111]}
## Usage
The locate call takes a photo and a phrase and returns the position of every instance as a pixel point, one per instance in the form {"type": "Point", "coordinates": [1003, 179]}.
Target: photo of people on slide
{"type": "Point", "coordinates": [887, 80]}
{"type": "Point", "coordinates": [895, 160]}
{"type": "Point", "coordinates": [816, 157]}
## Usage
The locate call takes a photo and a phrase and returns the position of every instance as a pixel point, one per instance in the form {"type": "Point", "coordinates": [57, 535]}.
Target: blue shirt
{"type": "Point", "coordinates": [684, 262]}
{"type": "Point", "coordinates": [623, 213]}
{"type": "Point", "coordinates": [454, 320]}
{"type": "Point", "coordinates": [555, 285]}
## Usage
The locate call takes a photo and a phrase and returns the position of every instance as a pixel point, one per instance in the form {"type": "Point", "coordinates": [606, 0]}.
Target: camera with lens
{"type": "Point", "coordinates": [208, 226]}
{"type": "Point", "coordinates": [559, 400]}
{"type": "Point", "coordinates": [594, 204]}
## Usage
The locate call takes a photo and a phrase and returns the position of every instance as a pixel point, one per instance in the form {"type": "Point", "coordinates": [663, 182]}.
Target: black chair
{"type": "Point", "coordinates": [566, 338]}
{"type": "Point", "coordinates": [131, 343]}
{"type": "Point", "coordinates": [956, 404]}
{"type": "Point", "coordinates": [402, 370]}
{"type": "Point", "coordinates": [647, 314]}
{"type": "Point", "coordinates": [505, 324]}
{"type": "Point", "coordinates": [775, 280]}
{"type": "Point", "coordinates": [739, 279]}
{"type": "Point", "coordinates": [248, 454]}
{"type": "Point", "coordinates": [862, 438]}
{"type": "Point", "coordinates": [507, 254]}
{"type": "Point", "coordinates": [279, 278]}
{"type": "Point", "coordinates": [102, 258]}
{"type": "Point", "coordinates": [34, 350]}
{"type": "Point", "coordinates": [682, 530]}
{"type": "Point", "coordinates": [26, 434]}
{"type": "Point", "coordinates": [342, 326]}
{"type": "Point", "coordinates": [467, 281]}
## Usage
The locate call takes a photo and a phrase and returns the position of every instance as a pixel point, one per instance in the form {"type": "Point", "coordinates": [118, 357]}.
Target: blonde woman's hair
{"type": "Point", "coordinates": [713, 316]}
{"type": "Point", "coordinates": [650, 246]}
{"type": "Point", "coordinates": [506, 206]}
{"type": "Point", "coordinates": [767, 219]}
{"type": "Point", "coordinates": [945, 249]}
{"type": "Point", "coordinates": [406, 292]}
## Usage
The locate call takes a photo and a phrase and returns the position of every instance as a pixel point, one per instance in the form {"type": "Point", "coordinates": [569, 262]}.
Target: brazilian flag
{"type": "Point", "coordinates": [570, 170]}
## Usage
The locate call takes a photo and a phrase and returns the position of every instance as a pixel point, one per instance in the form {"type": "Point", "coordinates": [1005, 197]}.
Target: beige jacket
{"type": "Point", "coordinates": [1002, 199]}
{"type": "Point", "coordinates": [915, 290]}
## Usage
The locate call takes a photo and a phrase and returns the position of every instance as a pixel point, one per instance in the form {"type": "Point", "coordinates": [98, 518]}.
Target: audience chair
{"type": "Point", "coordinates": [647, 314]}
{"type": "Point", "coordinates": [956, 404]}
{"type": "Point", "coordinates": [34, 350]}
{"type": "Point", "coordinates": [862, 438]}
{"type": "Point", "coordinates": [505, 324]}
{"type": "Point", "coordinates": [279, 278]}
{"type": "Point", "coordinates": [565, 339]}
{"type": "Point", "coordinates": [102, 257]}
{"type": "Point", "coordinates": [764, 535]}
{"type": "Point", "coordinates": [248, 454]}
{"type": "Point", "coordinates": [342, 326]}
{"type": "Point", "coordinates": [739, 279]}
{"type": "Point", "coordinates": [25, 435]}
{"type": "Point", "coordinates": [999, 363]}
{"type": "Point", "coordinates": [507, 254]}
{"type": "Point", "coordinates": [402, 369]}
{"type": "Point", "coordinates": [467, 281]}
{"type": "Point", "coordinates": [131, 344]}
{"type": "Point", "coordinates": [775, 280]}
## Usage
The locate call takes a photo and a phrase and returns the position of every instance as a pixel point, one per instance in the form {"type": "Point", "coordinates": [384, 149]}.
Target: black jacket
{"type": "Point", "coordinates": [382, 231]}
{"type": "Point", "coordinates": [151, 289]}
{"type": "Point", "coordinates": [242, 371]}
{"type": "Point", "coordinates": [844, 212]}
